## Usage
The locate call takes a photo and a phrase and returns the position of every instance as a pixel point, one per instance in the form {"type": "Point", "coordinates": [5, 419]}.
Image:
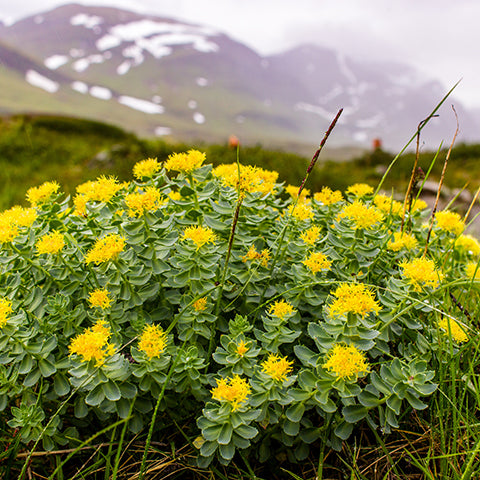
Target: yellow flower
{"type": "Point", "coordinates": [388, 205]}
{"type": "Point", "coordinates": [199, 235]}
{"type": "Point", "coordinates": [468, 244]}
{"type": "Point", "coordinates": [252, 179]}
{"type": "Point", "coordinates": [420, 272]}
{"type": "Point", "coordinates": [281, 309]}
{"type": "Point", "coordinates": [265, 257]}
{"type": "Point", "coordinates": [146, 168]}
{"type": "Point", "coordinates": [252, 254]}
{"type": "Point", "coordinates": [175, 196]}
{"type": "Point", "coordinates": [14, 218]}
{"type": "Point", "coordinates": [5, 310]}
{"type": "Point", "coordinates": [8, 230]}
{"type": "Point", "coordinates": [419, 205]}
{"type": "Point", "coordinates": [449, 222]}
{"type": "Point", "coordinates": [93, 344]}
{"type": "Point", "coordinates": [311, 235]}
{"type": "Point", "coordinates": [242, 348]}
{"type": "Point", "coordinates": [301, 211]}
{"type": "Point", "coordinates": [277, 367]}
{"type": "Point", "coordinates": [360, 189]}
{"type": "Point", "coordinates": [105, 249]}
{"type": "Point", "coordinates": [346, 361]}
{"type": "Point", "coordinates": [362, 215]}
{"type": "Point", "coordinates": [42, 193]}
{"type": "Point", "coordinates": [453, 329]}
{"type": "Point", "coordinates": [402, 240]}
{"type": "Point", "coordinates": [185, 162]}
{"type": "Point", "coordinates": [52, 242]}
{"type": "Point", "coordinates": [100, 298]}
{"type": "Point", "coordinates": [292, 190]}
{"type": "Point", "coordinates": [317, 261]}
{"type": "Point", "coordinates": [152, 341]}
{"type": "Point", "coordinates": [233, 390]}
{"type": "Point", "coordinates": [473, 270]}
{"type": "Point", "coordinates": [354, 298]}
{"type": "Point", "coordinates": [200, 305]}
{"type": "Point", "coordinates": [139, 203]}
{"type": "Point", "coordinates": [328, 196]}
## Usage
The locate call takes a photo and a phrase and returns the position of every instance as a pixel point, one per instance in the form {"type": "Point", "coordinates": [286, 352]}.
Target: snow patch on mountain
{"type": "Point", "coordinates": [79, 87]}
{"type": "Point", "coordinates": [199, 118]}
{"type": "Point", "coordinates": [55, 61]}
{"type": "Point", "coordinates": [142, 105]}
{"type": "Point", "coordinates": [87, 21]}
{"type": "Point", "coordinates": [156, 38]}
{"type": "Point", "coordinates": [100, 92]}
{"type": "Point", "coordinates": [161, 131]}
{"type": "Point", "coordinates": [37, 80]}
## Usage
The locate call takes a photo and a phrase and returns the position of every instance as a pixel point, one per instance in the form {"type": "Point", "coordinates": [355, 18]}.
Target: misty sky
{"type": "Point", "coordinates": [440, 37]}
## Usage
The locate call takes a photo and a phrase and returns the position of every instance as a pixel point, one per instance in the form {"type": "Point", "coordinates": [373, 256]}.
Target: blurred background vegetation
{"type": "Point", "coordinates": [38, 148]}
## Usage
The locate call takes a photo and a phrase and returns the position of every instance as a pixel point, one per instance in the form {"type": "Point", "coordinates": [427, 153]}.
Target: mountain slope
{"type": "Point", "coordinates": [159, 76]}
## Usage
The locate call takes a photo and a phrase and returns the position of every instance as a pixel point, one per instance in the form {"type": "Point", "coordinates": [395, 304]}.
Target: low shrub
{"type": "Point", "coordinates": [267, 318]}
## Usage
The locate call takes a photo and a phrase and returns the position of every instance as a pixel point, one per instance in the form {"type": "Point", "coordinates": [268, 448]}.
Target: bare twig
{"type": "Point", "coordinates": [442, 177]}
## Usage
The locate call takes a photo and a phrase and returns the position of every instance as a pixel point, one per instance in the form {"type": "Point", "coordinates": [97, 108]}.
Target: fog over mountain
{"type": "Point", "coordinates": [165, 77]}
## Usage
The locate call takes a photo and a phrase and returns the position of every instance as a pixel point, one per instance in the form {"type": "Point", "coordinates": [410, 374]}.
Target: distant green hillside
{"type": "Point", "coordinates": [38, 148]}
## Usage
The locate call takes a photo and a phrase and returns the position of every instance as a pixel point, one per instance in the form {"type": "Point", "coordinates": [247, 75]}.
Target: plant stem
{"type": "Point", "coordinates": [154, 416]}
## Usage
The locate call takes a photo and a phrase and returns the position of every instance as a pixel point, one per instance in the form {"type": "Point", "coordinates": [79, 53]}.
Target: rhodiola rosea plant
{"type": "Point", "coordinates": [273, 316]}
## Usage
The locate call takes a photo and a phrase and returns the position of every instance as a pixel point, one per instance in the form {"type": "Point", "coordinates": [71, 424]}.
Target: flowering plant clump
{"type": "Point", "coordinates": [271, 316]}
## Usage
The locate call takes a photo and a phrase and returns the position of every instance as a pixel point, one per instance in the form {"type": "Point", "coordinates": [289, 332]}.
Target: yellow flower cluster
{"type": "Point", "coordinates": [317, 261]}
{"type": "Point", "coordinates": [252, 179]}
{"type": "Point", "coordinates": [13, 219]}
{"type": "Point", "coordinates": [354, 298]}
{"type": "Point", "coordinates": [185, 162]}
{"type": "Point", "coordinates": [362, 215]}
{"type": "Point", "coordinates": [233, 390]}
{"type": "Point", "coordinates": [281, 309]}
{"type": "Point", "coordinates": [199, 235]}
{"type": "Point", "coordinates": [51, 242]}
{"type": "Point", "coordinates": [468, 244]}
{"type": "Point", "coordinates": [360, 189]}
{"type": "Point", "coordinates": [277, 367]}
{"type": "Point", "coordinates": [148, 201]}
{"type": "Point", "coordinates": [5, 310]}
{"type": "Point", "coordinates": [42, 193]}
{"type": "Point", "coordinates": [346, 361]}
{"type": "Point", "coordinates": [453, 329]}
{"type": "Point", "coordinates": [327, 196]}
{"type": "Point", "coordinates": [252, 254]}
{"type": "Point", "coordinates": [152, 341]}
{"type": "Point", "coordinates": [402, 240]}
{"type": "Point", "coordinates": [310, 236]}
{"type": "Point", "coordinates": [449, 222]}
{"type": "Point", "coordinates": [100, 298]}
{"type": "Point", "coordinates": [93, 344]}
{"type": "Point", "coordinates": [200, 305]}
{"type": "Point", "coordinates": [420, 272]}
{"type": "Point", "coordinates": [105, 249]}
{"type": "Point", "coordinates": [146, 168]}
{"type": "Point", "coordinates": [101, 190]}
{"type": "Point", "coordinates": [301, 211]}
{"type": "Point", "coordinates": [388, 205]}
